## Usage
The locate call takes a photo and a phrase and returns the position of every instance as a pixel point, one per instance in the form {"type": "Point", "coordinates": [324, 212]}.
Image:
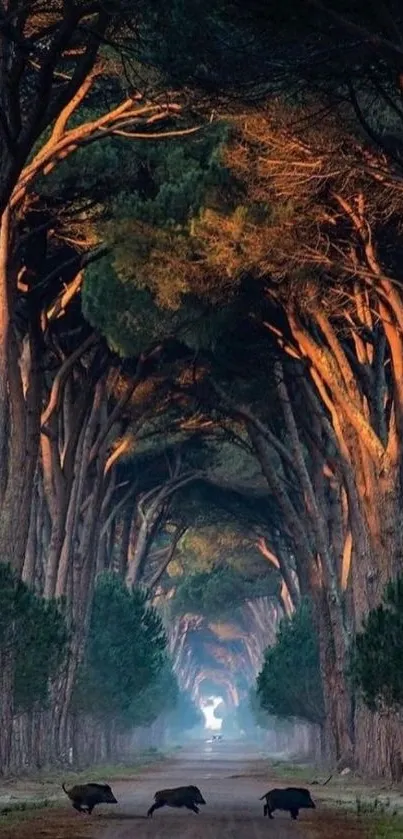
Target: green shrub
{"type": "Point", "coordinates": [377, 658]}
{"type": "Point", "coordinates": [289, 684]}
{"type": "Point", "coordinates": [33, 639]}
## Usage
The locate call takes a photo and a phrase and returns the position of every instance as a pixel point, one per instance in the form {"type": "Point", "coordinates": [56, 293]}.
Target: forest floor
{"type": "Point", "coordinates": [232, 777]}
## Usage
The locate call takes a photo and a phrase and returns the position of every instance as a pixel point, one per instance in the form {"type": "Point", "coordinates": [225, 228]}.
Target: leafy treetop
{"type": "Point", "coordinates": [219, 593]}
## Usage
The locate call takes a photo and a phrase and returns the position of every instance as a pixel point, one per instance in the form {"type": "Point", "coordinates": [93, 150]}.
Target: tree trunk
{"type": "Point", "coordinates": [313, 578]}
{"type": "Point", "coordinates": [6, 708]}
{"type": "Point", "coordinates": [4, 345]}
{"type": "Point", "coordinates": [30, 563]}
{"type": "Point", "coordinates": [378, 737]}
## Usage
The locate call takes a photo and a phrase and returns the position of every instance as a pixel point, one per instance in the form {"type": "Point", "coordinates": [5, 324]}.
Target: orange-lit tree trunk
{"type": "Point", "coordinates": [150, 509]}
{"type": "Point", "coordinates": [290, 596]}
{"type": "Point", "coordinates": [20, 395]}
{"type": "Point", "coordinates": [306, 513]}
{"type": "Point", "coordinates": [312, 580]}
{"type": "Point", "coordinates": [364, 407]}
{"type": "Point", "coordinates": [98, 447]}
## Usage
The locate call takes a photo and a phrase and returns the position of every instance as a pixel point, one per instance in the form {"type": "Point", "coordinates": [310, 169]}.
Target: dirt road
{"type": "Point", "coordinates": [232, 778]}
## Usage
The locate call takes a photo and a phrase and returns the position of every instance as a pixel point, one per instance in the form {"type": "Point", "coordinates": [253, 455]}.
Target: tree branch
{"type": "Point", "coordinates": [61, 376]}
{"type": "Point", "coordinates": [244, 413]}
{"type": "Point", "coordinates": [169, 557]}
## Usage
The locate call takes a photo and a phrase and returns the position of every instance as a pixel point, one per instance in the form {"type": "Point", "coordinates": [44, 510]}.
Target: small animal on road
{"type": "Point", "coordinates": [187, 797]}
{"type": "Point", "coordinates": [85, 797]}
{"type": "Point", "coordinates": [291, 799]}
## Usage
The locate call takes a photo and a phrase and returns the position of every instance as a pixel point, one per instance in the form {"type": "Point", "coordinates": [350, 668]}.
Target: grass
{"type": "Point", "coordinates": [297, 771]}
{"type": "Point", "coordinates": [12, 812]}
{"type": "Point", "coordinates": [387, 827]}
{"type": "Point", "coordinates": [112, 772]}
{"type": "Point", "coordinates": [115, 772]}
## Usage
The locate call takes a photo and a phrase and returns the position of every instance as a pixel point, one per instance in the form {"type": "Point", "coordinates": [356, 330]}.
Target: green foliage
{"type": "Point", "coordinates": [218, 593]}
{"type": "Point", "coordinates": [377, 659]}
{"type": "Point", "coordinates": [126, 315]}
{"type": "Point", "coordinates": [289, 684]}
{"type": "Point", "coordinates": [202, 507]}
{"type": "Point", "coordinates": [136, 294]}
{"type": "Point", "coordinates": [206, 546]}
{"type": "Point", "coordinates": [213, 45]}
{"type": "Point", "coordinates": [93, 172]}
{"type": "Point", "coordinates": [125, 653]}
{"type": "Point", "coordinates": [33, 637]}
{"type": "Point", "coordinates": [179, 177]}
{"type": "Point", "coordinates": [386, 826]}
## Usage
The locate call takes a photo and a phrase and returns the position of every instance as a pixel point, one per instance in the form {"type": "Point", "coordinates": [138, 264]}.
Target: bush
{"type": "Point", "coordinates": [289, 684]}
{"type": "Point", "coordinates": [124, 655]}
{"type": "Point", "coordinates": [377, 658]}
{"type": "Point", "coordinates": [33, 637]}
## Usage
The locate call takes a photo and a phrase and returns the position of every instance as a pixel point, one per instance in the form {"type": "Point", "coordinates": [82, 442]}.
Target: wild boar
{"type": "Point", "coordinates": [85, 797]}
{"type": "Point", "coordinates": [291, 799]}
{"type": "Point", "coordinates": [187, 797]}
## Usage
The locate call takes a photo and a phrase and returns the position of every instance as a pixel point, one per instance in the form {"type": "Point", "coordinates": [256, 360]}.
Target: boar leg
{"type": "Point", "coordinates": [156, 806]}
{"type": "Point", "coordinates": [294, 814]}
{"type": "Point", "coordinates": [192, 807]}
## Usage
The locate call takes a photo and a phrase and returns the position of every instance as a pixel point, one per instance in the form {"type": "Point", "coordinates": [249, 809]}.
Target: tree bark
{"type": "Point", "coordinates": [6, 708]}
{"type": "Point", "coordinates": [5, 234]}
{"type": "Point", "coordinates": [312, 581]}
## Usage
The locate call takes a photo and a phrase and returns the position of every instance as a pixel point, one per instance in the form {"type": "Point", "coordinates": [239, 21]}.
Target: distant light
{"type": "Point", "coordinates": [210, 721]}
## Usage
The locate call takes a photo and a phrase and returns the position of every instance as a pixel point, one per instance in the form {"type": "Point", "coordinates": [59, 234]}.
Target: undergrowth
{"type": "Point", "coordinates": [388, 827]}
{"type": "Point", "coordinates": [17, 807]}
{"type": "Point", "coordinates": [113, 772]}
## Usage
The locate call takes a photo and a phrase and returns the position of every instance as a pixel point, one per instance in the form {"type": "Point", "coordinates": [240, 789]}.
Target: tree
{"type": "Point", "coordinates": [377, 657]}
{"type": "Point", "coordinates": [124, 652]}
{"type": "Point", "coordinates": [332, 303]}
{"type": "Point", "coordinates": [219, 593]}
{"type": "Point", "coordinates": [289, 684]}
{"type": "Point", "coordinates": [33, 646]}
{"type": "Point", "coordinates": [62, 89]}
{"type": "Point", "coordinates": [259, 716]}
{"type": "Point", "coordinates": [255, 223]}
{"type": "Point", "coordinates": [44, 121]}
{"type": "Point", "coordinates": [131, 294]}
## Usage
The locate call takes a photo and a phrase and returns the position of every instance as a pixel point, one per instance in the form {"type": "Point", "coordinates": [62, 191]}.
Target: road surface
{"type": "Point", "coordinates": [231, 777]}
